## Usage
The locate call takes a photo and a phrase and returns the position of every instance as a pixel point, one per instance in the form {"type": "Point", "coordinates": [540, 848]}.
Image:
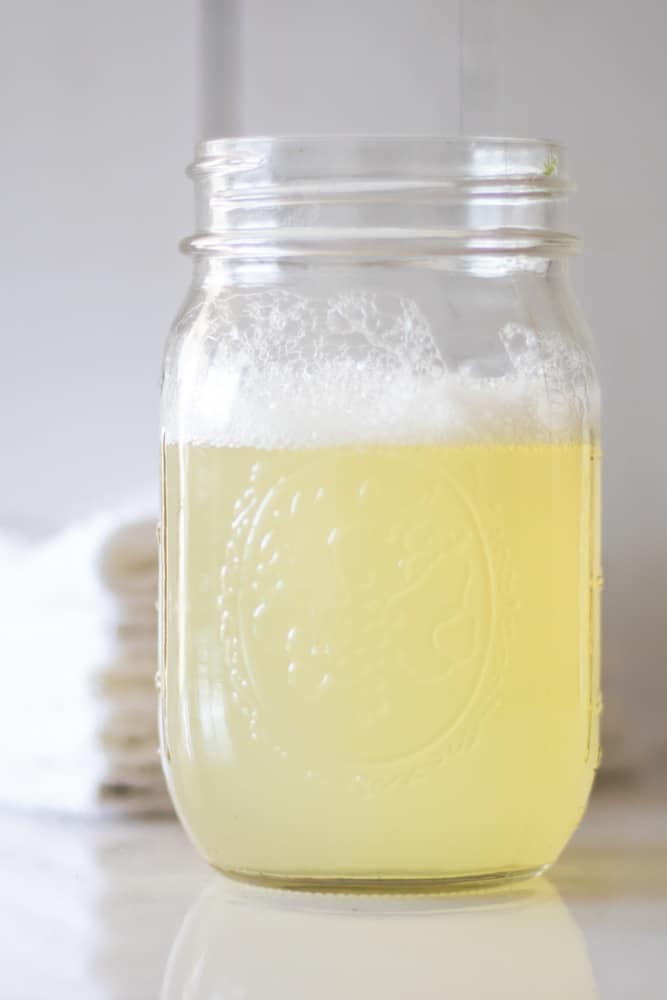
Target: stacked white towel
{"type": "Point", "coordinates": [78, 656]}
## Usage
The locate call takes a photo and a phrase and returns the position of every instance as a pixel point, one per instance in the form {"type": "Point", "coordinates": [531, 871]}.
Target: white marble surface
{"type": "Point", "coordinates": [126, 910]}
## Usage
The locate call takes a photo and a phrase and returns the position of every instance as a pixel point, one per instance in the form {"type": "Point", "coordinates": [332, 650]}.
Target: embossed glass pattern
{"type": "Point", "coordinates": [380, 523]}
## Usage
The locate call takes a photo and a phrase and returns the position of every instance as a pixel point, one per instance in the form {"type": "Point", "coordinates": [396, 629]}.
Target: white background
{"type": "Point", "coordinates": [100, 106]}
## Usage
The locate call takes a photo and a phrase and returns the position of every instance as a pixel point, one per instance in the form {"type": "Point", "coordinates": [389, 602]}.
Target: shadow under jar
{"type": "Point", "coordinates": [380, 515]}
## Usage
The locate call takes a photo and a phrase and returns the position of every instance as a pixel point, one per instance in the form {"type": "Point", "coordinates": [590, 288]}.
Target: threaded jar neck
{"type": "Point", "coordinates": [268, 198]}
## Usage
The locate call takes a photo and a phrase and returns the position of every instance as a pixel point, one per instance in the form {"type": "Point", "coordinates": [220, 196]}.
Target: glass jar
{"type": "Point", "coordinates": [380, 515]}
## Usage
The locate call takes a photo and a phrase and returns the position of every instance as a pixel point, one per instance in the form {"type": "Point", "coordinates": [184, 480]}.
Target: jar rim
{"type": "Point", "coordinates": [312, 189]}
{"type": "Point", "coordinates": [214, 144]}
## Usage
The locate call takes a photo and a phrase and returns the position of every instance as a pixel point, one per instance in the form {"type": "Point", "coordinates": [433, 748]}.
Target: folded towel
{"type": "Point", "coordinates": [78, 657]}
{"type": "Point", "coordinates": [127, 559]}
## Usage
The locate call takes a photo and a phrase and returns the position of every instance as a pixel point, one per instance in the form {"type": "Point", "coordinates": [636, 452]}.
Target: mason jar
{"type": "Point", "coordinates": [380, 515]}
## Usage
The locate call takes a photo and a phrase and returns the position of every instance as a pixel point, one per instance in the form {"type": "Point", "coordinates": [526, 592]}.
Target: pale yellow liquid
{"type": "Point", "coordinates": [381, 662]}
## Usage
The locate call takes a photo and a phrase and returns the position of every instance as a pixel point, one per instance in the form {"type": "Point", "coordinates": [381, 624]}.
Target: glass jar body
{"type": "Point", "coordinates": [380, 559]}
{"type": "Point", "coordinates": [380, 524]}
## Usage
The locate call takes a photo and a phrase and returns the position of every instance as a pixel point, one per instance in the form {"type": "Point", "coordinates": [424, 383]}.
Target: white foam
{"type": "Point", "coordinates": [359, 369]}
{"type": "Point", "coordinates": [344, 406]}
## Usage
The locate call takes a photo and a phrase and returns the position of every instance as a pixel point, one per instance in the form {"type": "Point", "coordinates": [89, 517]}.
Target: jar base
{"type": "Point", "coordinates": [395, 884]}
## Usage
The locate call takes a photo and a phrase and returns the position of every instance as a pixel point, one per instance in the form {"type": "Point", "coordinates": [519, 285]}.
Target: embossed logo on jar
{"type": "Point", "coordinates": [363, 603]}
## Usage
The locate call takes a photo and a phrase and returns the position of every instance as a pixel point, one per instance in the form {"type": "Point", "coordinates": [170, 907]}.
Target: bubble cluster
{"type": "Point", "coordinates": [279, 370]}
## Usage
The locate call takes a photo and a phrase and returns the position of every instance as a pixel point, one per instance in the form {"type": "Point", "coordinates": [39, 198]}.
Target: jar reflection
{"type": "Point", "coordinates": [237, 941]}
